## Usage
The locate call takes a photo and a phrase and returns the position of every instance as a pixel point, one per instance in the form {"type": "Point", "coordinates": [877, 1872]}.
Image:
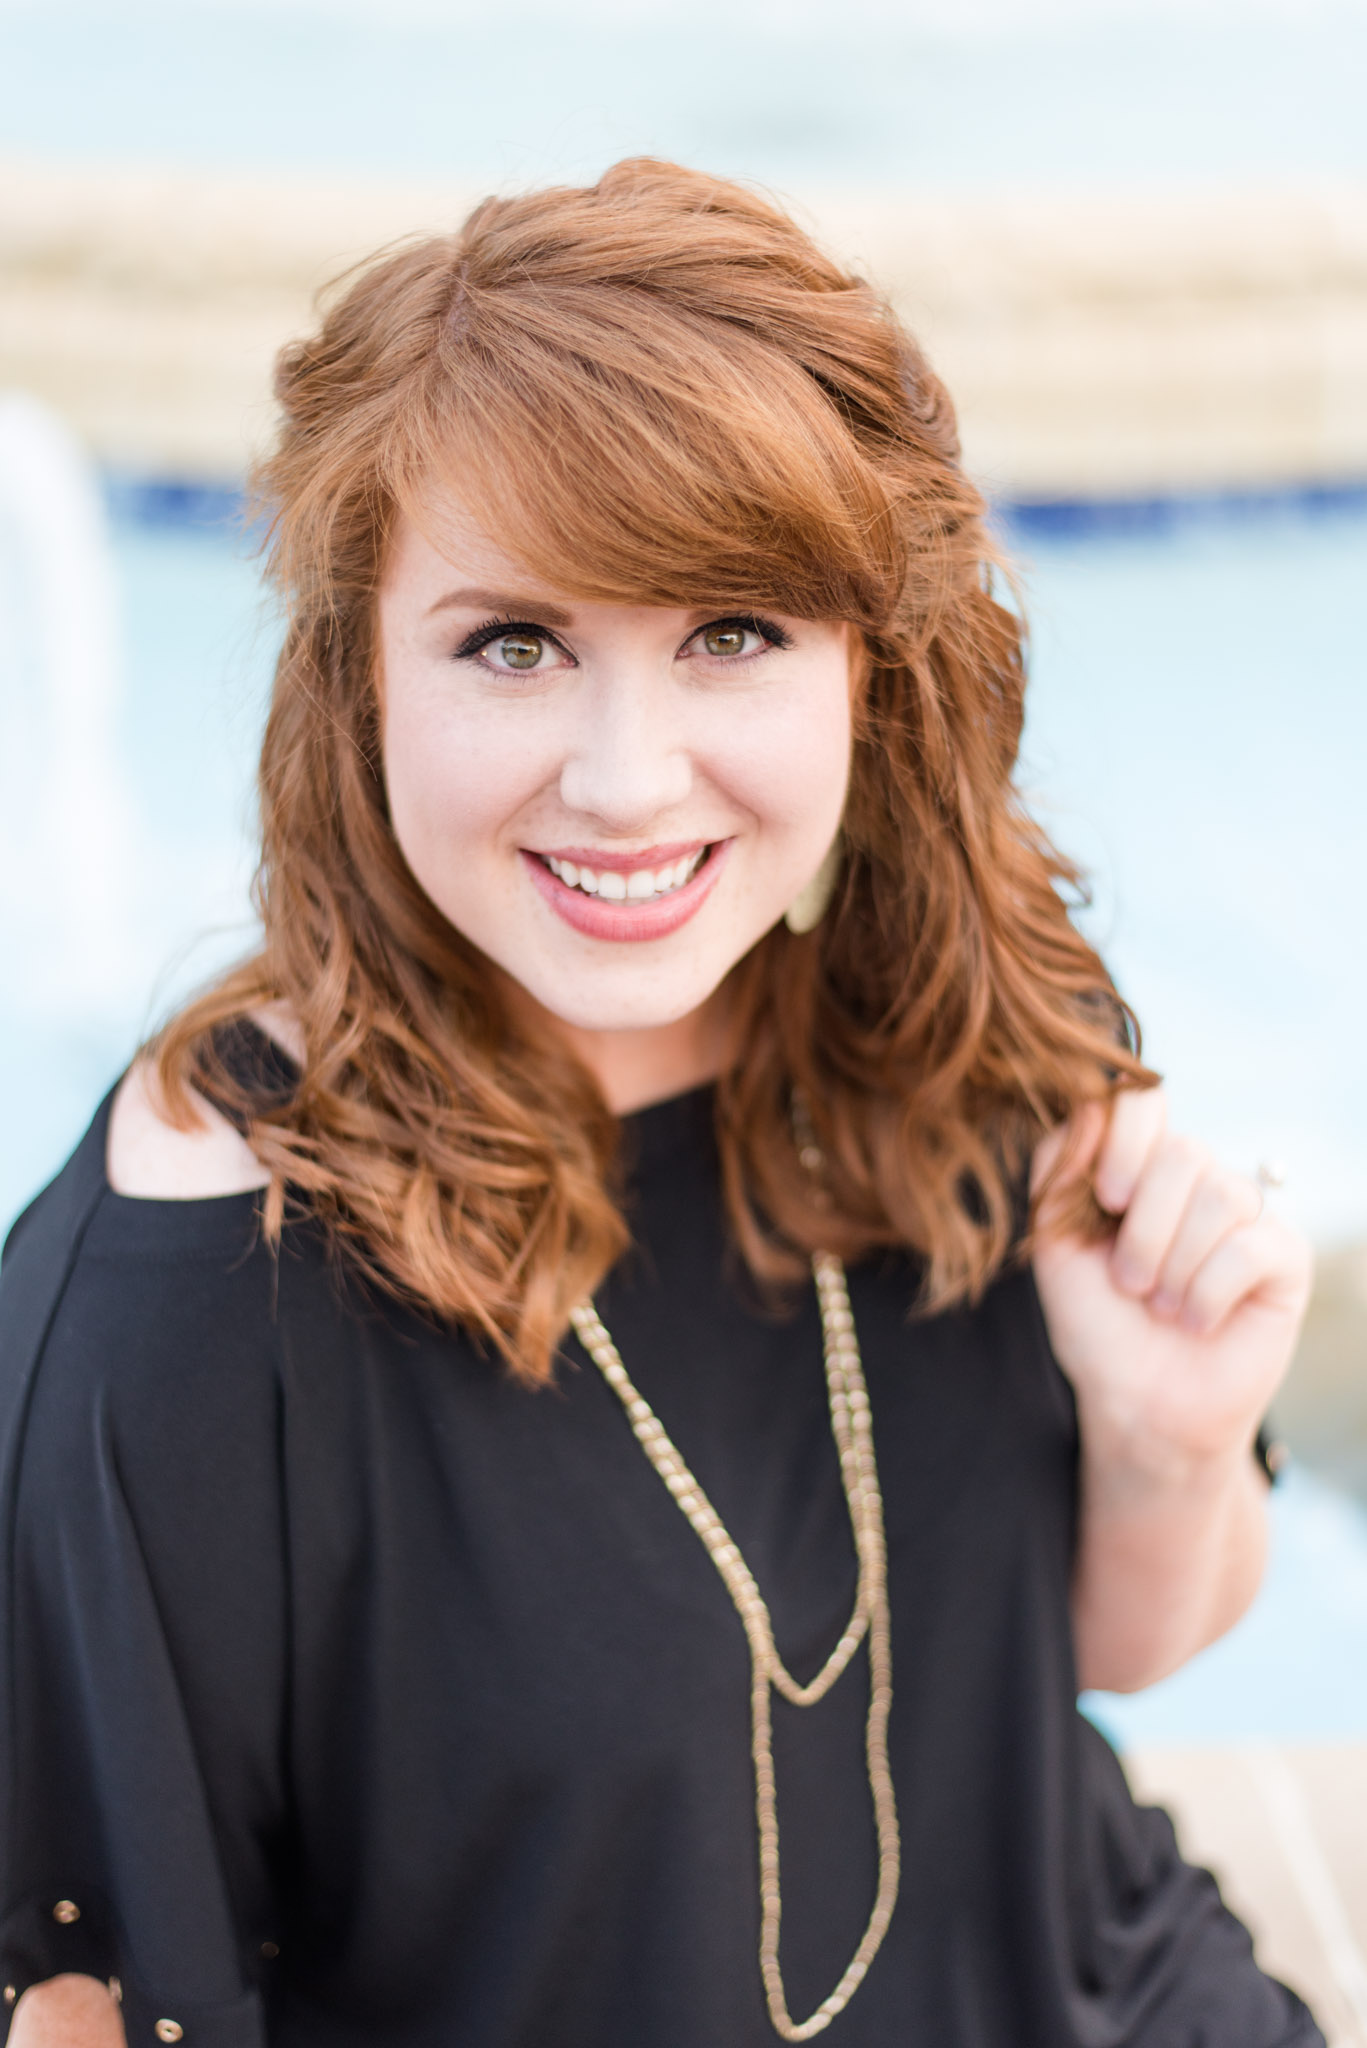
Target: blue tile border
{"type": "Point", "coordinates": [159, 501]}
{"type": "Point", "coordinates": [1065, 519]}
{"type": "Point", "coordinates": [180, 502]}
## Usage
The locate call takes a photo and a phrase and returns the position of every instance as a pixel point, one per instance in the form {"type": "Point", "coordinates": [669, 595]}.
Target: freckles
{"type": "Point", "coordinates": [783, 765]}
{"type": "Point", "coordinates": [462, 772]}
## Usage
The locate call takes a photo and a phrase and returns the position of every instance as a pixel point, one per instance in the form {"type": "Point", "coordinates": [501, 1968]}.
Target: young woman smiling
{"type": "Point", "coordinates": [575, 1426]}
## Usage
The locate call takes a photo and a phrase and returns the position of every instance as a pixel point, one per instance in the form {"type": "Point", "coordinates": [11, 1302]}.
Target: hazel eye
{"type": "Point", "coordinates": [517, 650]}
{"type": "Point", "coordinates": [727, 640]}
{"type": "Point", "coordinates": [514, 647]}
{"type": "Point", "coordinates": [738, 639]}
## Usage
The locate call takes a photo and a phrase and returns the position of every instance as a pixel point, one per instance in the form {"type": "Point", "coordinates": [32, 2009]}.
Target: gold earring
{"type": "Point", "coordinates": [811, 903]}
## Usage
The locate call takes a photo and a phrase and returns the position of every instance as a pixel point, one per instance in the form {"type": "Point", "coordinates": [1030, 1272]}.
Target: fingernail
{"type": "Point", "coordinates": [1165, 1305]}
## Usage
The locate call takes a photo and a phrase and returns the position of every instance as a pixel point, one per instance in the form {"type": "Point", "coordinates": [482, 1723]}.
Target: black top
{"type": "Point", "coordinates": [353, 1694]}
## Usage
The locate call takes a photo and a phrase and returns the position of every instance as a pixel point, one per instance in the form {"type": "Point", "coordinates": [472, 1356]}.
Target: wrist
{"type": "Point", "coordinates": [1132, 1463]}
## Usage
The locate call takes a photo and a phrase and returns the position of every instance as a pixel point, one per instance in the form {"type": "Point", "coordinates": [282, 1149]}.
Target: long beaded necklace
{"type": "Point", "coordinates": [852, 1428]}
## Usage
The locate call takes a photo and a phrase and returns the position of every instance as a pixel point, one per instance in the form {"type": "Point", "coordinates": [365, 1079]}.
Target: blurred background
{"type": "Point", "coordinates": [1134, 240]}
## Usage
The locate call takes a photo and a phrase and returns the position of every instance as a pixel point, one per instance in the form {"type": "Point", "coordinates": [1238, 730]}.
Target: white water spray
{"type": "Point", "coordinates": [66, 848]}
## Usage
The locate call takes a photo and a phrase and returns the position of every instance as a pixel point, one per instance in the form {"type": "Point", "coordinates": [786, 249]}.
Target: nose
{"type": "Point", "coordinates": [628, 764]}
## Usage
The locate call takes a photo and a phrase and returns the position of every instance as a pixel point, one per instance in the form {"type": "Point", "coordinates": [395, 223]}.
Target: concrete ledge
{"type": "Point", "coordinates": [1097, 348]}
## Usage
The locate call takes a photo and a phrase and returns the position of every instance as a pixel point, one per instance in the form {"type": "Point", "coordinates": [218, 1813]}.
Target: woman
{"type": "Point", "coordinates": [450, 1601]}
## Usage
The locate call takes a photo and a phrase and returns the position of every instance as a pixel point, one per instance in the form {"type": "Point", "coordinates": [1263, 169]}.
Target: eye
{"type": "Point", "coordinates": [724, 640]}
{"type": "Point", "coordinates": [738, 639]}
{"type": "Point", "coordinates": [517, 650]}
{"type": "Point", "coordinates": [511, 649]}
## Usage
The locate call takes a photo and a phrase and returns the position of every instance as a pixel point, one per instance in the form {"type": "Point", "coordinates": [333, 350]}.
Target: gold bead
{"type": "Point", "coordinates": [169, 2030]}
{"type": "Point", "coordinates": [66, 1912]}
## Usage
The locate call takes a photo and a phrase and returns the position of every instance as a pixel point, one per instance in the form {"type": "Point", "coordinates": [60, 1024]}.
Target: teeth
{"type": "Point", "coordinates": [613, 886]}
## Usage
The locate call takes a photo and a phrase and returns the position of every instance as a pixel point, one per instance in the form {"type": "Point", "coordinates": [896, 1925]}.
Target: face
{"type": "Point", "coordinates": [612, 802]}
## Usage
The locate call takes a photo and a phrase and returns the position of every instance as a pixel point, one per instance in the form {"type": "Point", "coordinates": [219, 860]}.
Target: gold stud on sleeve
{"type": "Point", "coordinates": [65, 1912]}
{"type": "Point", "coordinates": [169, 2030]}
{"type": "Point", "coordinates": [10, 1994]}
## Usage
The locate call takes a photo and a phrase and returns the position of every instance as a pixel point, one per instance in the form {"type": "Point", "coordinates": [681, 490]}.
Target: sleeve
{"type": "Point", "coordinates": [143, 1628]}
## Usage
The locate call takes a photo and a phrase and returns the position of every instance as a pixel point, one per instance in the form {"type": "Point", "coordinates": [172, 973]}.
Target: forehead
{"type": "Point", "coordinates": [440, 557]}
{"type": "Point", "coordinates": [437, 538]}
{"type": "Point", "coordinates": [449, 564]}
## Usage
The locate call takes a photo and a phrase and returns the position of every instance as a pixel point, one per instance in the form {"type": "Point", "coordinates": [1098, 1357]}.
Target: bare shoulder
{"type": "Point", "coordinates": [67, 2012]}
{"type": "Point", "coordinates": [148, 1157]}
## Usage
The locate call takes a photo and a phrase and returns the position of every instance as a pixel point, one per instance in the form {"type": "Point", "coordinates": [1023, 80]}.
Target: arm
{"type": "Point", "coordinates": [1164, 1567]}
{"type": "Point", "coordinates": [143, 1614]}
{"type": "Point", "coordinates": [67, 2012]}
{"type": "Point", "coordinates": [1175, 1334]}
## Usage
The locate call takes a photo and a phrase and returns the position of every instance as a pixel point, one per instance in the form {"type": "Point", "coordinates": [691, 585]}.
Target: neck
{"type": "Point", "coordinates": [637, 1067]}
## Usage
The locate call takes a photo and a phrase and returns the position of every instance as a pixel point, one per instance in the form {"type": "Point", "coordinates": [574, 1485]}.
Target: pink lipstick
{"type": "Point", "coordinates": [611, 895]}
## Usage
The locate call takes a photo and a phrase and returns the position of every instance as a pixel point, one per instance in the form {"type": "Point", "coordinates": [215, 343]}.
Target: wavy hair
{"type": "Point", "coordinates": [713, 412]}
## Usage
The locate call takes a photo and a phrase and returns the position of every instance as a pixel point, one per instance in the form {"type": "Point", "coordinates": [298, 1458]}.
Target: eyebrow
{"type": "Point", "coordinates": [499, 601]}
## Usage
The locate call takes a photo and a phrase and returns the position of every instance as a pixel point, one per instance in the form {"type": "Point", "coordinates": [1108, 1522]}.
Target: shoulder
{"type": "Point", "coordinates": [150, 1158]}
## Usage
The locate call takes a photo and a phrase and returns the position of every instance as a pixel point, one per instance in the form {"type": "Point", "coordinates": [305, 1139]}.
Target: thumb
{"type": "Point", "coordinates": [1063, 1158]}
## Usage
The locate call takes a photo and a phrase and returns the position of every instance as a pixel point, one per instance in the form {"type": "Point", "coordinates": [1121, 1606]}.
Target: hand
{"type": "Point", "coordinates": [1177, 1331]}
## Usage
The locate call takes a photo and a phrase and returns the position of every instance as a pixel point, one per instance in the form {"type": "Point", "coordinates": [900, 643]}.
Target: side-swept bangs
{"type": "Point", "coordinates": [631, 450]}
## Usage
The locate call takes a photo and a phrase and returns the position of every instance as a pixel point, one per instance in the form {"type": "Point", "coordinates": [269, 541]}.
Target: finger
{"type": "Point", "coordinates": [1064, 1157]}
{"type": "Point", "coordinates": [1139, 1118]}
{"type": "Point", "coordinates": [1153, 1217]}
{"type": "Point", "coordinates": [1219, 1203]}
{"type": "Point", "coordinates": [1264, 1262]}
{"type": "Point", "coordinates": [1070, 1147]}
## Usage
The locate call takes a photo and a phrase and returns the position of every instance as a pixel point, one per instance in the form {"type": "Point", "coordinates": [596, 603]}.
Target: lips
{"type": "Point", "coordinates": [628, 896]}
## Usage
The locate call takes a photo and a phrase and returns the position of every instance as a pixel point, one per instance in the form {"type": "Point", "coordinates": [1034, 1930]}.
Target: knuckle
{"type": "Point", "coordinates": [1230, 1196]}
{"type": "Point", "coordinates": [1210, 1288]}
{"type": "Point", "coordinates": [1186, 1154]}
{"type": "Point", "coordinates": [1140, 1247]}
{"type": "Point", "coordinates": [1155, 1106]}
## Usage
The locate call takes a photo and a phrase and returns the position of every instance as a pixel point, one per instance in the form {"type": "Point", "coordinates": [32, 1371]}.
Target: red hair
{"type": "Point", "coordinates": [712, 413]}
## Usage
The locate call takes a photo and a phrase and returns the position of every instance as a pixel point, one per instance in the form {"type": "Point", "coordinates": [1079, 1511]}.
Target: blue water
{"type": "Point", "coordinates": [1198, 734]}
{"type": "Point", "coordinates": [811, 94]}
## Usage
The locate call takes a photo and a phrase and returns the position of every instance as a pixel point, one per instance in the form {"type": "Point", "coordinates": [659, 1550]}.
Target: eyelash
{"type": "Point", "coordinates": [492, 629]}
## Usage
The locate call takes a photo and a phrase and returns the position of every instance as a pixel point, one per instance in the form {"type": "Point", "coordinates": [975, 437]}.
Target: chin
{"type": "Point", "coordinates": [605, 1007]}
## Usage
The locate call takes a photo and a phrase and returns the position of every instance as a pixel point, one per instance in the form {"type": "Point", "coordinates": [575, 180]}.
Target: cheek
{"type": "Point", "coordinates": [453, 782]}
{"type": "Point", "coordinates": [790, 768]}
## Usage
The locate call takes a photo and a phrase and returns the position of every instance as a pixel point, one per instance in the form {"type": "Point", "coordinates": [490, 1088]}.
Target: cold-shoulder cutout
{"type": "Point", "coordinates": [149, 1159]}
{"type": "Point", "coordinates": [67, 2012]}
